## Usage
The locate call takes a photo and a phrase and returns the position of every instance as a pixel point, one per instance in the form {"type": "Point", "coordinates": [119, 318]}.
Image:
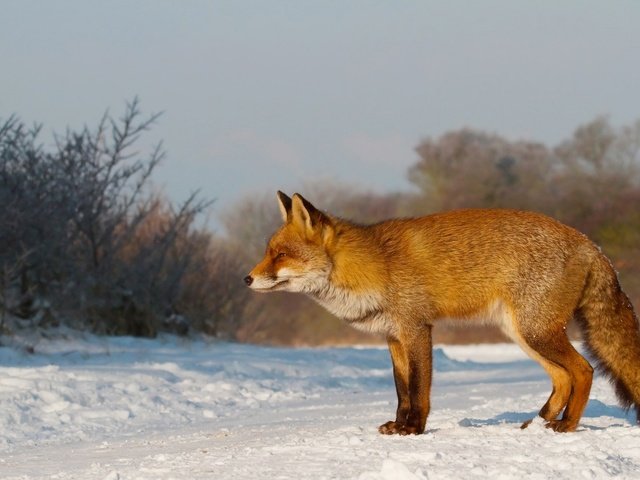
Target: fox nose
{"type": "Point", "coordinates": [248, 280]}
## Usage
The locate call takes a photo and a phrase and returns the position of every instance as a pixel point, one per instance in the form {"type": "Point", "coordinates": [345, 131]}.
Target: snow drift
{"type": "Point", "coordinates": [171, 408]}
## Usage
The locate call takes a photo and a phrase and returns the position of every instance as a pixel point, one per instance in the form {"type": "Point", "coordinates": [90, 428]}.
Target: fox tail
{"type": "Point", "coordinates": [612, 332]}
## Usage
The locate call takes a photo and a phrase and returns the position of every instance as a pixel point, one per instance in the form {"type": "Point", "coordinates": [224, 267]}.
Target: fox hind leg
{"type": "Point", "coordinates": [561, 381]}
{"type": "Point", "coordinates": [559, 398]}
{"type": "Point", "coordinates": [581, 374]}
{"type": "Point", "coordinates": [571, 376]}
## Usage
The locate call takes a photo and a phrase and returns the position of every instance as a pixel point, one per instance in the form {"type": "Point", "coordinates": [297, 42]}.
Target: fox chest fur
{"type": "Point", "coordinates": [362, 310]}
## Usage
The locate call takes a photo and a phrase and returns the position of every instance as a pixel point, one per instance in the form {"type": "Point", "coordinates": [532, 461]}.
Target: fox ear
{"type": "Point", "coordinates": [305, 214]}
{"type": "Point", "coordinates": [284, 202]}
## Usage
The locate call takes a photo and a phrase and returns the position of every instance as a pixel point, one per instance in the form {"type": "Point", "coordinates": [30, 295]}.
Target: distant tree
{"type": "Point", "coordinates": [596, 170]}
{"type": "Point", "coordinates": [590, 181]}
{"type": "Point", "coordinates": [468, 168]}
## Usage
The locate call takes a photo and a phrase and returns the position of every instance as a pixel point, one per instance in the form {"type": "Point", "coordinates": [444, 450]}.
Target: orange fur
{"type": "Point", "coordinates": [523, 271]}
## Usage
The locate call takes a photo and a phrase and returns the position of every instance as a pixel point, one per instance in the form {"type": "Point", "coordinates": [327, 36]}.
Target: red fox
{"type": "Point", "coordinates": [523, 271]}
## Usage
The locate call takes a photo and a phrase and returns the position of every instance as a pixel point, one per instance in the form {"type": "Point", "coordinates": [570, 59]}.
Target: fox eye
{"type": "Point", "coordinates": [281, 255]}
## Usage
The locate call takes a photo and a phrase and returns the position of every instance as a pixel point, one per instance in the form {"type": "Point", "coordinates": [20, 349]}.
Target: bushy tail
{"type": "Point", "coordinates": [612, 332]}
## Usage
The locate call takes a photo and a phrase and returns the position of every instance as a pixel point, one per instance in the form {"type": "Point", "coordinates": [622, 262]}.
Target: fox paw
{"type": "Point", "coordinates": [390, 428]}
{"type": "Point", "coordinates": [561, 426]}
{"type": "Point", "coordinates": [395, 428]}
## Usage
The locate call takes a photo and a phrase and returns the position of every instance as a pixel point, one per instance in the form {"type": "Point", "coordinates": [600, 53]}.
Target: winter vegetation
{"type": "Point", "coordinates": [590, 181]}
{"type": "Point", "coordinates": [85, 240]}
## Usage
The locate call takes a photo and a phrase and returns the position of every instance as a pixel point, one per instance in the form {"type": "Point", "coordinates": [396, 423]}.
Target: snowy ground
{"type": "Point", "coordinates": [129, 408]}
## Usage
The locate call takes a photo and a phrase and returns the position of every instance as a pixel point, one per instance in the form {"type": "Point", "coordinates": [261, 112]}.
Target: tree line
{"type": "Point", "coordinates": [590, 181]}
{"type": "Point", "coordinates": [85, 241]}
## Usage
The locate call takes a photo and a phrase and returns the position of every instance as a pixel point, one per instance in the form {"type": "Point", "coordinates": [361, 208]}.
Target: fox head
{"type": "Point", "coordinates": [296, 258]}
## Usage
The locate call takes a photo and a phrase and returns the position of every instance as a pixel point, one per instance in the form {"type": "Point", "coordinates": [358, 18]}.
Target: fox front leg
{"type": "Point", "coordinates": [412, 366]}
{"type": "Point", "coordinates": [401, 377]}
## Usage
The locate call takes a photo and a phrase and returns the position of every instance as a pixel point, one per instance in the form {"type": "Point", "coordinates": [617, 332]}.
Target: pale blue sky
{"type": "Point", "coordinates": [261, 95]}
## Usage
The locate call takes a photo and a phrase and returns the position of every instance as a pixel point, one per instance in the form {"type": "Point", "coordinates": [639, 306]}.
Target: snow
{"type": "Point", "coordinates": [123, 408]}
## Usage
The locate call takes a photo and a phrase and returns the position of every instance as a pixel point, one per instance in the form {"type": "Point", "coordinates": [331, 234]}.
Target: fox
{"type": "Point", "coordinates": [523, 271]}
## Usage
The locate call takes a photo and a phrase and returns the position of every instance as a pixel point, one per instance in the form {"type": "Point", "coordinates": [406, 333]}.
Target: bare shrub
{"type": "Point", "coordinates": [85, 241]}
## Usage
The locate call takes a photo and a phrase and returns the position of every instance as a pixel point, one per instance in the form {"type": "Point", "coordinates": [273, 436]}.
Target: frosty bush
{"type": "Point", "coordinates": [84, 241]}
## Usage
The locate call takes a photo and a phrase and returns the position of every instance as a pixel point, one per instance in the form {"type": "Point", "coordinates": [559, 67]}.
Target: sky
{"type": "Point", "coordinates": [265, 95]}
